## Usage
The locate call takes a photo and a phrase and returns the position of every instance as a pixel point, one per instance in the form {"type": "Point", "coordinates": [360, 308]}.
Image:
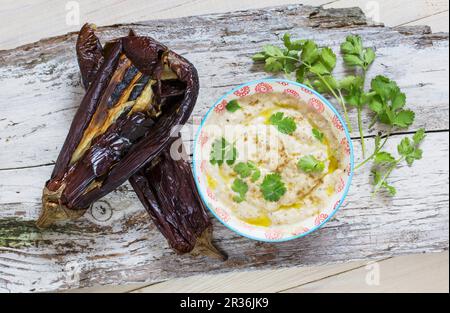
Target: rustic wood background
{"type": "Point", "coordinates": [116, 244]}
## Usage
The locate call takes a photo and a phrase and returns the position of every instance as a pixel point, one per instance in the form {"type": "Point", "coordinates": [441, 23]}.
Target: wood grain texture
{"type": "Point", "coordinates": [426, 273]}
{"type": "Point", "coordinates": [412, 273]}
{"type": "Point", "coordinates": [395, 13]}
{"type": "Point", "coordinates": [48, 17]}
{"type": "Point", "coordinates": [115, 242]}
{"type": "Point", "coordinates": [438, 22]}
{"type": "Point", "coordinates": [253, 281]}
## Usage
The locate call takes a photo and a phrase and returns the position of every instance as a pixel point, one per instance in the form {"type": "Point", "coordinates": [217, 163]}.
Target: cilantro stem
{"type": "Point", "coordinates": [344, 107]}
{"type": "Point", "coordinates": [373, 121]}
{"type": "Point", "coordinates": [374, 153]}
{"type": "Point", "coordinates": [339, 98]}
{"type": "Point", "coordinates": [361, 133]}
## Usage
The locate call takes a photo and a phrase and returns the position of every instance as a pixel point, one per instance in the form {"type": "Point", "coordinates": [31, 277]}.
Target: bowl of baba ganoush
{"type": "Point", "coordinates": [273, 160]}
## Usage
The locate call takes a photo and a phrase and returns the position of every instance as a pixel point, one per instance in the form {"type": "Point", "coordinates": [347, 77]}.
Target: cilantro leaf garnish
{"type": "Point", "coordinates": [240, 187]}
{"type": "Point", "coordinates": [318, 134]}
{"type": "Point", "coordinates": [223, 151]}
{"type": "Point", "coordinates": [273, 187]}
{"type": "Point", "coordinates": [256, 175]}
{"type": "Point", "coordinates": [285, 125]}
{"type": "Point", "coordinates": [243, 170]}
{"type": "Point", "coordinates": [247, 169]}
{"type": "Point", "coordinates": [233, 106]}
{"type": "Point", "coordinates": [309, 164]}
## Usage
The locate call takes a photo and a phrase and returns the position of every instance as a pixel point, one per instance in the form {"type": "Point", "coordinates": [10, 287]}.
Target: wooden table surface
{"type": "Point", "coordinates": [121, 246]}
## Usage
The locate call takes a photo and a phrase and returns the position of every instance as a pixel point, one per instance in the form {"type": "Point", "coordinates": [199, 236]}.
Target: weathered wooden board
{"type": "Point", "coordinates": [116, 243]}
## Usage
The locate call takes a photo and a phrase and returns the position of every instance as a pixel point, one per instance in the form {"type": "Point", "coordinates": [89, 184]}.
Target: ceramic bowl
{"type": "Point", "coordinates": [284, 232]}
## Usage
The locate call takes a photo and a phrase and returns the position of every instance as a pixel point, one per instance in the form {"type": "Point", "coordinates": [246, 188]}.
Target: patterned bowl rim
{"type": "Point", "coordinates": [328, 104]}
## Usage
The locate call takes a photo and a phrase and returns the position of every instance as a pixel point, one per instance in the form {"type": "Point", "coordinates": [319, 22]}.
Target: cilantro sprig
{"type": "Point", "coordinates": [385, 163]}
{"type": "Point", "coordinates": [314, 65]}
{"type": "Point", "coordinates": [358, 58]}
{"type": "Point", "coordinates": [223, 151]}
{"type": "Point", "coordinates": [355, 54]}
{"type": "Point", "coordinates": [272, 187]}
{"type": "Point", "coordinates": [388, 102]}
{"type": "Point", "coordinates": [285, 125]}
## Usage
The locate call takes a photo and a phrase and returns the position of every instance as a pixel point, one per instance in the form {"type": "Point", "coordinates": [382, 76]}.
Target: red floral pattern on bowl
{"type": "Point", "coordinates": [306, 90]}
{"type": "Point", "coordinates": [320, 219]}
{"type": "Point", "coordinates": [274, 233]}
{"type": "Point", "coordinates": [221, 107]}
{"type": "Point", "coordinates": [346, 146]}
{"type": "Point", "coordinates": [337, 123]}
{"type": "Point", "coordinates": [244, 91]}
{"type": "Point", "coordinates": [263, 88]}
{"type": "Point", "coordinates": [317, 105]}
{"type": "Point", "coordinates": [222, 214]}
{"type": "Point", "coordinates": [300, 231]}
{"type": "Point", "coordinates": [292, 92]}
{"type": "Point", "coordinates": [203, 138]}
{"type": "Point", "coordinates": [203, 166]}
{"type": "Point", "coordinates": [340, 185]}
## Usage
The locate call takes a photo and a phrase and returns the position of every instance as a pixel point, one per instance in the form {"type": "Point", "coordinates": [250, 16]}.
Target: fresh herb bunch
{"type": "Point", "coordinates": [314, 65]}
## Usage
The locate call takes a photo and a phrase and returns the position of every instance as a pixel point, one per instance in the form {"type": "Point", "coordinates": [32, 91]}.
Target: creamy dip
{"type": "Point", "coordinates": [250, 128]}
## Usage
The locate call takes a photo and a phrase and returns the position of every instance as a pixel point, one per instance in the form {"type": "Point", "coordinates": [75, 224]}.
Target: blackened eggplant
{"type": "Point", "coordinates": [166, 187]}
{"type": "Point", "coordinates": [168, 192]}
{"type": "Point", "coordinates": [116, 130]}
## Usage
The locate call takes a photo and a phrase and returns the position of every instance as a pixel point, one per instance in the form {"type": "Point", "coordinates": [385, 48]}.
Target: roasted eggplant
{"type": "Point", "coordinates": [165, 187]}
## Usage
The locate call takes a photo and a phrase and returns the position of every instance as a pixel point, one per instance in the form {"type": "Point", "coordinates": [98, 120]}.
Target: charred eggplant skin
{"type": "Point", "coordinates": [166, 187]}
{"type": "Point", "coordinates": [147, 56]}
{"type": "Point", "coordinates": [167, 192]}
{"type": "Point", "coordinates": [178, 211]}
{"type": "Point", "coordinates": [89, 54]}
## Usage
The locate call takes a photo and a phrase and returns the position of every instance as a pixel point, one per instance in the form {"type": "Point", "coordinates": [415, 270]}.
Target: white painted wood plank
{"type": "Point", "coordinates": [394, 13]}
{"type": "Point", "coordinates": [413, 273]}
{"type": "Point", "coordinates": [438, 22]}
{"type": "Point", "coordinates": [45, 87]}
{"type": "Point", "coordinates": [416, 273]}
{"type": "Point", "coordinates": [128, 249]}
{"type": "Point", "coordinates": [107, 289]}
{"type": "Point", "coordinates": [255, 282]}
{"type": "Point", "coordinates": [46, 18]}
{"type": "Point", "coordinates": [27, 21]}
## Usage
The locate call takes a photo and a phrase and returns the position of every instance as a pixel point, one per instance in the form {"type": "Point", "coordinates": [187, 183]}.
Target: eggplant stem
{"type": "Point", "coordinates": [204, 246]}
{"type": "Point", "coordinates": [52, 210]}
